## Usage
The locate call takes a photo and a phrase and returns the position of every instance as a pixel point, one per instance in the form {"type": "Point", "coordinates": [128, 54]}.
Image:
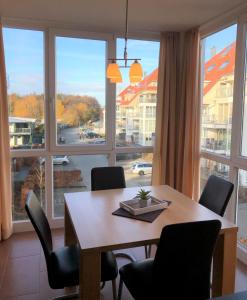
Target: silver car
{"type": "Point", "coordinates": [142, 168]}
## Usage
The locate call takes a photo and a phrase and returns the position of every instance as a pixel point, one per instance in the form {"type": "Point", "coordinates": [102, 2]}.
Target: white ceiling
{"type": "Point", "coordinates": [109, 15]}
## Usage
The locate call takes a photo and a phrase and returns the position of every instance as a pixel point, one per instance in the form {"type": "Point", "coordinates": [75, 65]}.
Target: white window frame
{"type": "Point", "coordinates": [51, 148]}
{"type": "Point", "coordinates": [235, 161]}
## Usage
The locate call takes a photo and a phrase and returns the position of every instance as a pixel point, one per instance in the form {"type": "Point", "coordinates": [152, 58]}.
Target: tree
{"type": "Point", "coordinates": [28, 107]}
{"type": "Point", "coordinates": [59, 110]}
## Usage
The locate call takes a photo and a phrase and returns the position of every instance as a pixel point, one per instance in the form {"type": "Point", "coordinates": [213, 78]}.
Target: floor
{"type": "Point", "coordinates": [23, 270]}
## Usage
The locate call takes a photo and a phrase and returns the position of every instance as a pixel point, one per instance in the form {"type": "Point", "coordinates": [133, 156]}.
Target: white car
{"type": "Point", "coordinates": [60, 160]}
{"type": "Point", "coordinates": [57, 160]}
{"type": "Point", "coordinates": [142, 168]}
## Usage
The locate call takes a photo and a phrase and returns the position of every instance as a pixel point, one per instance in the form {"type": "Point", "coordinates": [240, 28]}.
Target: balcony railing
{"type": "Point", "coordinates": [207, 119]}
{"type": "Point", "coordinates": [21, 131]}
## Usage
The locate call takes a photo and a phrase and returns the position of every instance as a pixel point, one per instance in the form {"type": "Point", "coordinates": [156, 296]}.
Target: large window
{"type": "Point", "coordinates": [65, 117]}
{"type": "Point", "coordinates": [24, 54]}
{"type": "Point", "coordinates": [223, 119]}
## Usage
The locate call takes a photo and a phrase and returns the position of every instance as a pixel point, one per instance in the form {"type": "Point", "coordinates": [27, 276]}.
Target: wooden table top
{"type": "Point", "coordinates": [96, 228]}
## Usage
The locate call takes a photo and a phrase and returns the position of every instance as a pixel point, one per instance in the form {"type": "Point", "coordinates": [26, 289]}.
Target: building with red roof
{"type": "Point", "coordinates": [136, 105]}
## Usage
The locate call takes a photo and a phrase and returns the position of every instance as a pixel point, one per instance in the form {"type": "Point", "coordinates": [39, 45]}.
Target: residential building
{"type": "Point", "coordinates": [20, 130]}
{"type": "Point", "coordinates": [136, 112]}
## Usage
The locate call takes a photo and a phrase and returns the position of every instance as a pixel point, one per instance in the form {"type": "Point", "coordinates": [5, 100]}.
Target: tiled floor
{"type": "Point", "coordinates": [23, 270]}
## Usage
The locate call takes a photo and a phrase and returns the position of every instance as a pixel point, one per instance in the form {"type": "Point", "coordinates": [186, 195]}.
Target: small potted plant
{"type": "Point", "coordinates": [143, 196]}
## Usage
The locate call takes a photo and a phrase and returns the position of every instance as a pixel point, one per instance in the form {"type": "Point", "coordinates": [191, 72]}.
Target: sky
{"type": "Point", "coordinates": [220, 40]}
{"type": "Point", "coordinates": [80, 63]}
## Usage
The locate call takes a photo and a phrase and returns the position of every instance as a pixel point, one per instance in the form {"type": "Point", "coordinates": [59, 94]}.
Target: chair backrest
{"type": "Point", "coordinates": [106, 178]}
{"type": "Point", "coordinates": [40, 223]}
{"type": "Point", "coordinates": [182, 263]}
{"type": "Point", "coordinates": [216, 194]}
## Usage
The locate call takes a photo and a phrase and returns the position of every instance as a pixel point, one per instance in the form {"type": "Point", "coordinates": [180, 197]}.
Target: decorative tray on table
{"type": "Point", "coordinates": [136, 206]}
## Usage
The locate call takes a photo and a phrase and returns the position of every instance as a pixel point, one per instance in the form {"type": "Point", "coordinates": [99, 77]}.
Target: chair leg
{"type": "Point", "coordinates": [146, 251]}
{"type": "Point", "coordinates": [120, 288]}
{"type": "Point", "coordinates": [125, 255]}
{"type": "Point", "coordinates": [114, 289]}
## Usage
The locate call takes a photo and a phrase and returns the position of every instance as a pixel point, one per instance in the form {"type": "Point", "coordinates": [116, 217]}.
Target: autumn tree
{"type": "Point", "coordinates": [59, 110]}
{"type": "Point", "coordinates": [74, 110]}
{"type": "Point", "coordinates": [28, 107]}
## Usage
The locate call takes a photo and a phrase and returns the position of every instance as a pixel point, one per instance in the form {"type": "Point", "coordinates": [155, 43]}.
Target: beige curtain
{"type": "Point", "coordinates": [5, 172]}
{"type": "Point", "coordinates": [176, 152]}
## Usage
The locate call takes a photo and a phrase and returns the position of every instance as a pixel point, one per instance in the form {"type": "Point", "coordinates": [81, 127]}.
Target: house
{"type": "Point", "coordinates": [20, 130]}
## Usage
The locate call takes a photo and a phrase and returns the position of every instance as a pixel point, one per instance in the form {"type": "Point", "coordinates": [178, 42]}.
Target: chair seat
{"type": "Point", "coordinates": [65, 266]}
{"type": "Point", "coordinates": [137, 276]}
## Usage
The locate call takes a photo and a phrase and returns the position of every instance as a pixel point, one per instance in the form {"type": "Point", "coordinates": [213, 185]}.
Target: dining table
{"type": "Point", "coordinates": [90, 223]}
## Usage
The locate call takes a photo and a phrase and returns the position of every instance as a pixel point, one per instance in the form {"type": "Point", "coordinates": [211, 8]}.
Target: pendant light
{"type": "Point", "coordinates": [113, 72]}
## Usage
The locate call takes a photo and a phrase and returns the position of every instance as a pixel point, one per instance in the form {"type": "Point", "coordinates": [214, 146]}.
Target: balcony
{"type": "Point", "coordinates": [20, 131]}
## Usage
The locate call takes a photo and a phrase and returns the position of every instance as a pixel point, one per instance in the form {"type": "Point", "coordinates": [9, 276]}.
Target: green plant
{"type": "Point", "coordinates": [143, 195]}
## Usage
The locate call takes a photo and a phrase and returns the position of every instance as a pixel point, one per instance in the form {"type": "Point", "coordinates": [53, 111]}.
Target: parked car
{"type": "Point", "coordinates": [62, 140]}
{"type": "Point", "coordinates": [60, 160]}
{"type": "Point", "coordinates": [97, 141]}
{"type": "Point", "coordinates": [57, 160]}
{"type": "Point", "coordinates": [91, 135]}
{"type": "Point", "coordinates": [142, 168]}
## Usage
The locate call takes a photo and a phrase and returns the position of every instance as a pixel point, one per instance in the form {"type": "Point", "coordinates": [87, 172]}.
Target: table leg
{"type": "Point", "coordinates": [69, 233]}
{"type": "Point", "coordinates": [224, 264]}
{"type": "Point", "coordinates": [90, 273]}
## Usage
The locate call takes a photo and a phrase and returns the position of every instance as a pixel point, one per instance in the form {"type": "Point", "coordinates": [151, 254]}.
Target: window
{"type": "Point", "coordinates": [137, 102]}
{"type": "Point", "coordinates": [80, 90]}
{"type": "Point", "coordinates": [28, 173]}
{"type": "Point", "coordinates": [223, 126]}
{"type": "Point", "coordinates": [62, 119]}
{"type": "Point", "coordinates": [25, 82]}
{"type": "Point", "coordinates": [218, 80]}
{"type": "Point", "coordinates": [26, 99]}
{"type": "Point", "coordinates": [73, 174]}
{"type": "Point", "coordinates": [137, 168]}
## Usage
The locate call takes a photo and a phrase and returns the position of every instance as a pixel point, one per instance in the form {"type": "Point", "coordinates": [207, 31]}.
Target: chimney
{"type": "Point", "coordinates": [212, 51]}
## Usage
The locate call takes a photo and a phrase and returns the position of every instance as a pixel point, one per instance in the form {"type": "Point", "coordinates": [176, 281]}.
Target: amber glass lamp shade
{"type": "Point", "coordinates": [135, 73]}
{"type": "Point", "coordinates": [116, 79]}
{"type": "Point", "coordinates": [113, 73]}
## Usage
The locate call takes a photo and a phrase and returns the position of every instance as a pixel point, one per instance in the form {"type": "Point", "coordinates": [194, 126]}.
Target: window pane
{"type": "Point", "coordinates": [28, 173]}
{"type": "Point", "coordinates": [73, 174]}
{"type": "Point", "coordinates": [136, 103]}
{"type": "Point", "coordinates": [242, 208]}
{"type": "Point", "coordinates": [137, 168]}
{"type": "Point", "coordinates": [80, 90]}
{"type": "Point", "coordinates": [218, 81]}
{"type": "Point", "coordinates": [244, 136]}
{"type": "Point", "coordinates": [24, 56]}
{"type": "Point", "coordinates": [209, 167]}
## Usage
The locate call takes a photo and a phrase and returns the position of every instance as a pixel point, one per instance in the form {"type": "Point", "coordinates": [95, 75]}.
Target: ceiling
{"type": "Point", "coordinates": [109, 15]}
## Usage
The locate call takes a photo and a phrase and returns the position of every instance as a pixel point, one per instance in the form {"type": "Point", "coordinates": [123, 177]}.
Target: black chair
{"type": "Point", "coordinates": [63, 264]}
{"type": "Point", "coordinates": [106, 178]}
{"type": "Point", "coordinates": [216, 194]}
{"type": "Point", "coordinates": [181, 267]}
